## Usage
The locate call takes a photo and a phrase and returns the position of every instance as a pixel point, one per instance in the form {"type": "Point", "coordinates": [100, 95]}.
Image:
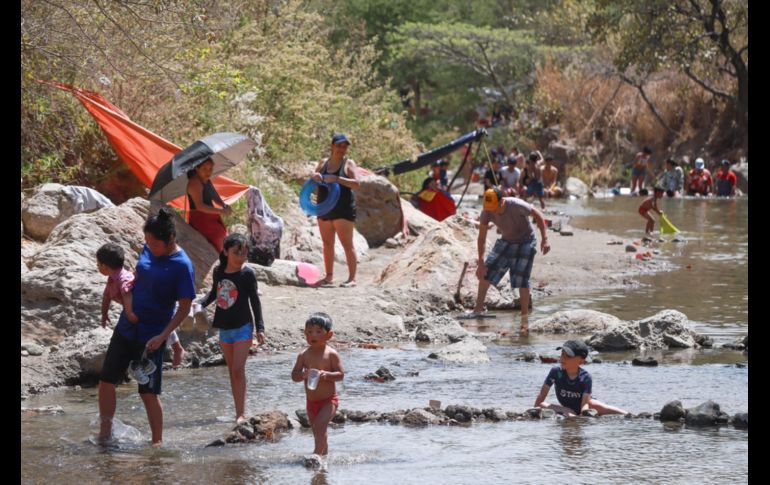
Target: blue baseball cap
{"type": "Point", "coordinates": [338, 138]}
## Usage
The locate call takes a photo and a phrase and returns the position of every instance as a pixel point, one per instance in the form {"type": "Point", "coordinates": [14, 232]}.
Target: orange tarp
{"type": "Point", "coordinates": [142, 150]}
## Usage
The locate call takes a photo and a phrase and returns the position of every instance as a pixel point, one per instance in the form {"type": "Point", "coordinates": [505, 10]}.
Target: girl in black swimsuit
{"type": "Point", "coordinates": [341, 219]}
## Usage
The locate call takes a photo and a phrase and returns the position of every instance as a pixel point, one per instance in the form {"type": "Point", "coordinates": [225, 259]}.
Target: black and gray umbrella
{"type": "Point", "coordinates": [226, 150]}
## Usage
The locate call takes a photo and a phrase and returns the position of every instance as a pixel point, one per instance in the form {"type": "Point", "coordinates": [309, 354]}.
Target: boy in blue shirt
{"type": "Point", "coordinates": [573, 385]}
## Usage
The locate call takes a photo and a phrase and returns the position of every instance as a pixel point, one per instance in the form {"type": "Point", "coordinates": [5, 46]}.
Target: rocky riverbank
{"type": "Point", "coordinates": [401, 283]}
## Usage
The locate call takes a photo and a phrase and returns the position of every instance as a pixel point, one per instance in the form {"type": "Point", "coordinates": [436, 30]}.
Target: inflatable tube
{"type": "Point", "coordinates": [312, 209]}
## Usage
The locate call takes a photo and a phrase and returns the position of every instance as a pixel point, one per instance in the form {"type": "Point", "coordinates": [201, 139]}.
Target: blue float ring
{"type": "Point", "coordinates": [324, 207]}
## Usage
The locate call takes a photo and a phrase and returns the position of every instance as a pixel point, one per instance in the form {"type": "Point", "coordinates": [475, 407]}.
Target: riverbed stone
{"type": "Point", "coordinates": [33, 348]}
{"type": "Point", "coordinates": [468, 351]}
{"type": "Point", "coordinates": [705, 414]}
{"type": "Point", "coordinates": [439, 329]}
{"type": "Point", "coordinates": [666, 329]}
{"type": "Point", "coordinates": [645, 362]}
{"type": "Point", "coordinates": [575, 322]}
{"type": "Point", "coordinates": [419, 417]}
{"type": "Point", "coordinates": [382, 374]}
{"type": "Point", "coordinates": [575, 186]}
{"type": "Point", "coordinates": [672, 411]}
{"type": "Point", "coordinates": [741, 420]}
{"type": "Point", "coordinates": [302, 417]}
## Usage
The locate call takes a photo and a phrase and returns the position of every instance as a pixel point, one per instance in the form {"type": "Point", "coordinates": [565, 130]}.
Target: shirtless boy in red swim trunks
{"type": "Point", "coordinates": [651, 203]}
{"type": "Point", "coordinates": [322, 399]}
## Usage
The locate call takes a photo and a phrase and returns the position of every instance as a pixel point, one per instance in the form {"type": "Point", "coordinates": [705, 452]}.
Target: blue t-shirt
{"type": "Point", "coordinates": [160, 283]}
{"type": "Point", "coordinates": [569, 392]}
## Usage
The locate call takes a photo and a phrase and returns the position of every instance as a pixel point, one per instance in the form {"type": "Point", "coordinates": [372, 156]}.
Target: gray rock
{"type": "Point", "coordinates": [24, 353]}
{"type": "Point", "coordinates": [741, 420]}
{"type": "Point", "coordinates": [529, 356]}
{"type": "Point", "coordinates": [381, 374]}
{"type": "Point", "coordinates": [575, 186]}
{"type": "Point", "coordinates": [440, 329]}
{"type": "Point", "coordinates": [467, 351]}
{"type": "Point", "coordinates": [575, 322]}
{"type": "Point", "coordinates": [495, 414]}
{"type": "Point", "coordinates": [646, 362]}
{"type": "Point", "coordinates": [672, 411]}
{"type": "Point", "coordinates": [705, 414]}
{"type": "Point", "coordinates": [33, 349]}
{"type": "Point", "coordinates": [361, 416]}
{"type": "Point", "coordinates": [53, 203]}
{"type": "Point", "coordinates": [566, 231]}
{"type": "Point", "coordinates": [630, 248]}
{"type": "Point", "coordinates": [302, 417]}
{"type": "Point", "coordinates": [546, 413]}
{"type": "Point", "coordinates": [666, 329]}
{"type": "Point", "coordinates": [378, 209]}
{"type": "Point", "coordinates": [419, 417]}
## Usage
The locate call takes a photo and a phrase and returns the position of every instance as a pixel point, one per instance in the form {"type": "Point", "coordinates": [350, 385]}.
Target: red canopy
{"type": "Point", "coordinates": [142, 150]}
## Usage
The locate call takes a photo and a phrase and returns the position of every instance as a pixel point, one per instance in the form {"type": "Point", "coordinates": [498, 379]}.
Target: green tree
{"type": "Point", "coordinates": [707, 40]}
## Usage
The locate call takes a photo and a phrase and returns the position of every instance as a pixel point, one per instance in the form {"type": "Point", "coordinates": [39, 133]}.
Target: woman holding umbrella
{"type": "Point", "coordinates": [341, 219]}
{"type": "Point", "coordinates": [204, 216]}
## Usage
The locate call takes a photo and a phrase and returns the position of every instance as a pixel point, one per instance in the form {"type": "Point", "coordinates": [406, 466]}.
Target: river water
{"type": "Point", "coordinates": [198, 405]}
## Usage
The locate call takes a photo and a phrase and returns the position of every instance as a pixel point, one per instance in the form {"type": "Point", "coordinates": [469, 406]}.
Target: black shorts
{"type": "Point", "coordinates": [121, 352]}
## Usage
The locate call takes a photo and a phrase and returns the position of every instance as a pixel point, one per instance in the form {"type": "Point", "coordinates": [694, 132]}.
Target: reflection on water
{"type": "Point", "coordinates": [588, 450]}
{"type": "Point", "coordinates": [709, 282]}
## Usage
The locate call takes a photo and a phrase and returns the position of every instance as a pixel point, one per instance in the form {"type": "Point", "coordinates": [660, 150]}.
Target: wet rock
{"type": "Point", "coordinates": [381, 375]}
{"type": "Point", "coordinates": [395, 417]}
{"type": "Point", "coordinates": [646, 362]}
{"type": "Point", "coordinates": [440, 329]}
{"type": "Point", "coordinates": [361, 416]}
{"type": "Point", "coordinates": [529, 356]}
{"type": "Point", "coordinates": [378, 209]}
{"type": "Point", "coordinates": [630, 248]}
{"type": "Point", "coordinates": [575, 322]}
{"type": "Point", "coordinates": [339, 418]}
{"type": "Point", "coordinates": [672, 411]}
{"type": "Point", "coordinates": [705, 414]}
{"type": "Point", "coordinates": [419, 417]}
{"type": "Point", "coordinates": [216, 442]}
{"type": "Point", "coordinates": [495, 414]}
{"type": "Point", "coordinates": [741, 421]}
{"type": "Point", "coordinates": [465, 412]}
{"type": "Point", "coordinates": [590, 413]}
{"type": "Point", "coordinates": [740, 366]}
{"type": "Point", "coordinates": [733, 346]}
{"type": "Point", "coordinates": [533, 413]}
{"type": "Point", "coordinates": [704, 341]}
{"type": "Point", "coordinates": [302, 417]}
{"type": "Point", "coordinates": [24, 353]}
{"type": "Point", "coordinates": [245, 431]}
{"type": "Point", "coordinates": [467, 351]}
{"type": "Point", "coordinates": [646, 415]}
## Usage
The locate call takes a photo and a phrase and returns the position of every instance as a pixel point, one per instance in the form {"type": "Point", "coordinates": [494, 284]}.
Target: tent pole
{"type": "Point", "coordinates": [465, 159]}
{"type": "Point", "coordinates": [468, 182]}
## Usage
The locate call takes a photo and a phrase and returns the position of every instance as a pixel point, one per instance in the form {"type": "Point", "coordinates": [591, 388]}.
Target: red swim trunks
{"type": "Point", "coordinates": [643, 211]}
{"type": "Point", "coordinates": [313, 407]}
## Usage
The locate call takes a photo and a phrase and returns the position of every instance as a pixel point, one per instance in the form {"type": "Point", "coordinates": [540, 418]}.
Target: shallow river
{"type": "Point", "coordinates": [199, 409]}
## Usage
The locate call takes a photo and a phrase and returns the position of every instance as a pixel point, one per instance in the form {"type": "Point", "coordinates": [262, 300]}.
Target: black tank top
{"type": "Point", "coordinates": [208, 195]}
{"type": "Point", "coordinates": [346, 205]}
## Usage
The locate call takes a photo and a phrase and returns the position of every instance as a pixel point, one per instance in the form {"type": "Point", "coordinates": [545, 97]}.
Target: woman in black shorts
{"type": "Point", "coordinates": [341, 219]}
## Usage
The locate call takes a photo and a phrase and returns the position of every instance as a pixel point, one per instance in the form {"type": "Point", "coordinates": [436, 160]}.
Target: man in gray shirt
{"type": "Point", "coordinates": [514, 251]}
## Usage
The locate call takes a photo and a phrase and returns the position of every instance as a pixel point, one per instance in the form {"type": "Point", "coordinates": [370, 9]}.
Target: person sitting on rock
{"type": "Point", "coordinates": [573, 385]}
{"type": "Point", "coordinates": [109, 259]}
{"type": "Point", "coordinates": [510, 175]}
{"type": "Point", "coordinates": [550, 179]}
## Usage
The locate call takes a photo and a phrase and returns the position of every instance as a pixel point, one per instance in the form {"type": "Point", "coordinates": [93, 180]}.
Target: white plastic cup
{"type": "Point", "coordinates": [312, 378]}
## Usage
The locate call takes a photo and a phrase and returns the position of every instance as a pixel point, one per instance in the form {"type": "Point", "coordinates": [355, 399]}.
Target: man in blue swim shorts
{"type": "Point", "coordinates": [514, 251]}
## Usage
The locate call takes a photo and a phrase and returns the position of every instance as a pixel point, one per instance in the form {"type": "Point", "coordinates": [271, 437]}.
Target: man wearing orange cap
{"type": "Point", "coordinates": [514, 252]}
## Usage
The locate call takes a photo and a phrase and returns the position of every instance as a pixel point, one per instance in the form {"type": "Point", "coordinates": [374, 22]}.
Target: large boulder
{"type": "Point", "coordinates": [53, 203]}
{"type": "Point", "coordinates": [575, 186]}
{"type": "Point", "coordinates": [420, 417]}
{"type": "Point", "coordinates": [61, 292]}
{"type": "Point", "coordinates": [672, 411]}
{"type": "Point", "coordinates": [664, 330]}
{"type": "Point", "coordinates": [575, 322]}
{"type": "Point", "coordinates": [467, 351]}
{"type": "Point", "coordinates": [378, 209]}
{"type": "Point", "coordinates": [281, 272]}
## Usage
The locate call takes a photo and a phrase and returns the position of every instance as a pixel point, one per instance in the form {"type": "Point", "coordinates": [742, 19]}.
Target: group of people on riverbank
{"type": "Point", "coordinates": [697, 182]}
{"type": "Point", "coordinates": [161, 294]}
